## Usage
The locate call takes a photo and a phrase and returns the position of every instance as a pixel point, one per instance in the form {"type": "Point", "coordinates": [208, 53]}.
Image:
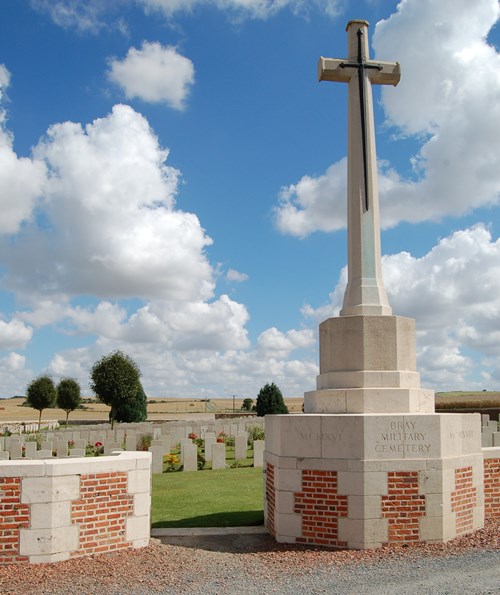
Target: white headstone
{"type": "Point", "coordinates": [61, 448]}
{"type": "Point", "coordinates": [210, 440]}
{"type": "Point", "coordinates": [47, 445]}
{"type": "Point", "coordinates": [166, 442]}
{"type": "Point", "coordinates": [258, 453]}
{"type": "Point", "coordinates": [157, 458]}
{"type": "Point", "coordinates": [131, 440]}
{"type": "Point", "coordinates": [30, 450]}
{"type": "Point", "coordinates": [189, 457]}
{"type": "Point", "coordinates": [218, 455]}
{"type": "Point", "coordinates": [15, 450]}
{"type": "Point", "coordinates": [240, 447]}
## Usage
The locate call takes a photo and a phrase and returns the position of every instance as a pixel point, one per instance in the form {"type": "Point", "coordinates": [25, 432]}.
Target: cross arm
{"type": "Point", "coordinates": [381, 73]}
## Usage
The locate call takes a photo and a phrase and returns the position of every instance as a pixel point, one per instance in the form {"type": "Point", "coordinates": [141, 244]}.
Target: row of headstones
{"type": "Point", "coordinates": [130, 437]}
{"type": "Point", "coordinates": [215, 453]}
{"type": "Point", "coordinates": [490, 434]}
{"type": "Point", "coordinates": [16, 427]}
{"type": "Point", "coordinates": [21, 446]}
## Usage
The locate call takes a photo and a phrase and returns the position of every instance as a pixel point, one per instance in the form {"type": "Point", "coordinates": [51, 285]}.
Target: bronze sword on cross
{"type": "Point", "coordinates": [361, 66]}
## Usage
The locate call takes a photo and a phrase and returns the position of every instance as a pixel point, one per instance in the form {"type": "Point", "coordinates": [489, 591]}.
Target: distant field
{"type": "Point", "coordinates": [11, 410]}
{"type": "Point", "coordinates": [450, 397]}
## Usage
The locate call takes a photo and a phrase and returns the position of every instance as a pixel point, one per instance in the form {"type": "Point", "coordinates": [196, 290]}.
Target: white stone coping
{"type": "Point", "coordinates": [122, 461]}
{"type": "Point", "coordinates": [491, 452]}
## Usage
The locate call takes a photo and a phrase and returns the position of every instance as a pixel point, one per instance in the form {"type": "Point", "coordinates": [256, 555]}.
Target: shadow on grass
{"type": "Point", "coordinates": [245, 518]}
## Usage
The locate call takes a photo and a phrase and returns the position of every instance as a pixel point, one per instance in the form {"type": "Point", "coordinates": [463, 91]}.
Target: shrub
{"type": "Point", "coordinates": [270, 401]}
{"type": "Point", "coordinates": [35, 438]}
{"type": "Point", "coordinates": [172, 463]}
{"type": "Point", "coordinates": [247, 404]}
{"type": "Point", "coordinates": [144, 442]}
{"type": "Point", "coordinates": [115, 381]}
{"type": "Point", "coordinates": [256, 433]}
{"type": "Point", "coordinates": [94, 450]}
{"type": "Point", "coordinates": [41, 394]}
{"type": "Point", "coordinates": [68, 396]}
{"type": "Point", "coordinates": [135, 409]}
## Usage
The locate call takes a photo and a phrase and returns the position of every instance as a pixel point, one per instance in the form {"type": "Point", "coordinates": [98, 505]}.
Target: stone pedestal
{"type": "Point", "coordinates": [370, 463]}
{"type": "Point", "coordinates": [363, 481]}
{"type": "Point", "coordinates": [368, 365]}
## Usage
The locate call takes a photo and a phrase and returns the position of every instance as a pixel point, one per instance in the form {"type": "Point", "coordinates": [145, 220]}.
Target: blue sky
{"type": "Point", "coordinates": [173, 184]}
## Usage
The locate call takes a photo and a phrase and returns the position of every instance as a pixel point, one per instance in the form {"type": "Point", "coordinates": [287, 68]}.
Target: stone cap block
{"type": "Point", "coordinates": [372, 379]}
{"type": "Point", "coordinates": [374, 436]}
{"type": "Point", "coordinates": [363, 343]}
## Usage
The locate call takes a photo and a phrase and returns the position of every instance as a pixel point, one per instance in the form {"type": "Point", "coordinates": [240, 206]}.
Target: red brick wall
{"type": "Point", "coordinates": [321, 507]}
{"type": "Point", "coordinates": [270, 498]}
{"type": "Point", "coordinates": [101, 513]}
{"type": "Point", "coordinates": [492, 488]}
{"type": "Point", "coordinates": [13, 516]}
{"type": "Point", "coordinates": [463, 500]}
{"type": "Point", "coordinates": [403, 506]}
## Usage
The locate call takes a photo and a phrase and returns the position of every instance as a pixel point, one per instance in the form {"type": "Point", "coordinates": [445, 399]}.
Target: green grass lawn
{"type": "Point", "coordinates": [210, 498]}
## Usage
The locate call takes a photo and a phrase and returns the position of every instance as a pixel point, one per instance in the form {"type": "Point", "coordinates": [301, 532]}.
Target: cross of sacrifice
{"type": "Point", "coordinates": [365, 293]}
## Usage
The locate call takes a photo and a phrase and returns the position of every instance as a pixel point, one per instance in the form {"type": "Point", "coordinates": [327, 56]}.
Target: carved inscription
{"type": "Point", "coordinates": [402, 437]}
{"type": "Point", "coordinates": [388, 438]}
{"type": "Point", "coordinates": [463, 434]}
{"type": "Point", "coordinates": [326, 436]}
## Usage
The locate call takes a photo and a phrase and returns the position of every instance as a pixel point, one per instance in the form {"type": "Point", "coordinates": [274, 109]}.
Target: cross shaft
{"type": "Point", "coordinates": [365, 293]}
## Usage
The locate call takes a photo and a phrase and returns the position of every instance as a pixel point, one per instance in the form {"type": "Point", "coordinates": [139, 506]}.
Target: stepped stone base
{"type": "Point", "coordinates": [363, 481]}
{"type": "Point", "coordinates": [369, 400]}
{"type": "Point", "coordinates": [368, 365]}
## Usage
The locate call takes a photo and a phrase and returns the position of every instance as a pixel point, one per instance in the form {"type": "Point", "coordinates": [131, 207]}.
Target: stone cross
{"type": "Point", "coordinates": [365, 293]}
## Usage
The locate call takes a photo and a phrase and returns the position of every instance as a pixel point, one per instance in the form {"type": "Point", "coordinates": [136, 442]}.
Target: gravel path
{"type": "Point", "coordinates": [256, 564]}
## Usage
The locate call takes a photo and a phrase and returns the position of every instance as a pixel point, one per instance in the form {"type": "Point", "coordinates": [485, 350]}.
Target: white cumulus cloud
{"type": "Point", "coordinates": [236, 276]}
{"type": "Point", "coordinates": [21, 179]}
{"type": "Point", "coordinates": [453, 292]}
{"type": "Point", "coordinates": [275, 342]}
{"type": "Point", "coordinates": [14, 334]}
{"type": "Point", "coordinates": [90, 16]}
{"type": "Point", "coordinates": [314, 203]}
{"type": "Point", "coordinates": [448, 100]}
{"type": "Point", "coordinates": [154, 73]}
{"type": "Point", "coordinates": [110, 227]}
{"type": "Point", "coordinates": [13, 375]}
{"type": "Point", "coordinates": [256, 9]}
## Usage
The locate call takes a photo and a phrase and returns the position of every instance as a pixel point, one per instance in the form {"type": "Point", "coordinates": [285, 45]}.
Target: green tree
{"type": "Point", "coordinates": [270, 401]}
{"type": "Point", "coordinates": [247, 404]}
{"type": "Point", "coordinates": [68, 396]}
{"type": "Point", "coordinates": [135, 409]}
{"type": "Point", "coordinates": [41, 394]}
{"type": "Point", "coordinates": [115, 381]}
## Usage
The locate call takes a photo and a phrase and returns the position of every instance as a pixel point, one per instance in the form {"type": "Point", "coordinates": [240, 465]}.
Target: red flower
{"type": "Point", "coordinates": [98, 444]}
